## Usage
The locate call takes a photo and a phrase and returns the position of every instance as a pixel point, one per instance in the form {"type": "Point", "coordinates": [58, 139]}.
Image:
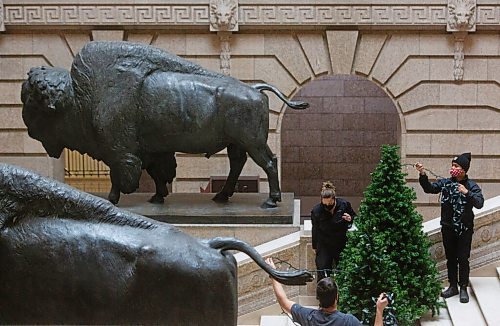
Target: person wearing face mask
{"type": "Point", "coordinates": [330, 221]}
{"type": "Point", "coordinates": [458, 195]}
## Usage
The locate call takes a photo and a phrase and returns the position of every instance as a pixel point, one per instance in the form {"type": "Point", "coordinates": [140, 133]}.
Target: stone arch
{"type": "Point", "coordinates": [338, 138]}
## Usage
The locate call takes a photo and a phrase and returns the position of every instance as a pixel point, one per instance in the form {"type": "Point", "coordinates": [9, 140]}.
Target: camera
{"type": "Point", "coordinates": [389, 296]}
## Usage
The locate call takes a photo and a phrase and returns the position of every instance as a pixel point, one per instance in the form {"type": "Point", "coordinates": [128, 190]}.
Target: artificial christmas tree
{"type": "Point", "coordinates": [389, 251]}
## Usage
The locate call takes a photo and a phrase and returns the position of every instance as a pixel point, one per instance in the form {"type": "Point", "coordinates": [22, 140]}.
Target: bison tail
{"type": "Point", "coordinates": [298, 105]}
{"type": "Point", "coordinates": [299, 277]}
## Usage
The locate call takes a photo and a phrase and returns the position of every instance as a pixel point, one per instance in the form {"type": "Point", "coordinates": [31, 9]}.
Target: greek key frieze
{"type": "Point", "coordinates": [293, 14]}
{"type": "Point", "coordinates": [340, 15]}
{"type": "Point", "coordinates": [108, 15]}
{"type": "Point", "coordinates": [488, 15]}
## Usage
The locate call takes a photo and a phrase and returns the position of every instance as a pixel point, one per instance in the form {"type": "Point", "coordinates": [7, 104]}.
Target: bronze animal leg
{"type": "Point", "coordinates": [237, 158]}
{"type": "Point", "coordinates": [114, 193]}
{"type": "Point", "coordinates": [265, 158]}
{"type": "Point", "coordinates": [162, 170]}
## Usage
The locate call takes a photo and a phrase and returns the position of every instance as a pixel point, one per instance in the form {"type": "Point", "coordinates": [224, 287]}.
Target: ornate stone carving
{"type": "Point", "coordinates": [486, 234]}
{"type": "Point", "coordinates": [225, 52]}
{"type": "Point", "coordinates": [2, 25]}
{"type": "Point", "coordinates": [437, 251]}
{"type": "Point", "coordinates": [254, 287]}
{"type": "Point", "coordinates": [461, 15]}
{"type": "Point", "coordinates": [223, 15]}
{"type": "Point", "coordinates": [458, 56]}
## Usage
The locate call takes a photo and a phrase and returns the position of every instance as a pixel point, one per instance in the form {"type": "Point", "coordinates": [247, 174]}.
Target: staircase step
{"type": "Point", "coordinates": [275, 321]}
{"type": "Point", "coordinates": [443, 319]}
{"type": "Point", "coordinates": [308, 301]}
{"type": "Point", "coordinates": [487, 291]}
{"type": "Point", "coordinates": [465, 314]}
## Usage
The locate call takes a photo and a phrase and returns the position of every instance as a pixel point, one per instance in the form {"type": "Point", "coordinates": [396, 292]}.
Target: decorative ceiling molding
{"type": "Point", "coordinates": [112, 13]}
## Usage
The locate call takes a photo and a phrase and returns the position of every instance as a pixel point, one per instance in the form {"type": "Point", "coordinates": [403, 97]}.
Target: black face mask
{"type": "Point", "coordinates": [328, 207]}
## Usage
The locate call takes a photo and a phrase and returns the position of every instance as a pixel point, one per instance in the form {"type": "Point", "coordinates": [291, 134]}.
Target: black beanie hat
{"type": "Point", "coordinates": [463, 160]}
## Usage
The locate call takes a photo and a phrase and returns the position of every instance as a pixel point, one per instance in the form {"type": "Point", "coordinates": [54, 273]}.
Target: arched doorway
{"type": "Point", "coordinates": [338, 138]}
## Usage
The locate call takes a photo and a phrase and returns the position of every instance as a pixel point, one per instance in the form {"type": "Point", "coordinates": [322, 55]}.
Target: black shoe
{"type": "Point", "coordinates": [464, 296]}
{"type": "Point", "coordinates": [449, 292]}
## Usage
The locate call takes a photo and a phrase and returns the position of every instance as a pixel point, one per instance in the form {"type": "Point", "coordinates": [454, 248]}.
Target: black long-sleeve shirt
{"type": "Point", "coordinates": [329, 228]}
{"type": "Point", "coordinates": [474, 198]}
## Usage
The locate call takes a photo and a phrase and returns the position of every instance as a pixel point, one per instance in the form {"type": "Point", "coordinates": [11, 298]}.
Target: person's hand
{"type": "Point", "coordinates": [462, 189]}
{"type": "Point", "coordinates": [420, 168]}
{"type": "Point", "coordinates": [382, 301]}
{"type": "Point", "coordinates": [314, 251]}
{"type": "Point", "coordinates": [270, 262]}
{"type": "Point", "coordinates": [347, 217]}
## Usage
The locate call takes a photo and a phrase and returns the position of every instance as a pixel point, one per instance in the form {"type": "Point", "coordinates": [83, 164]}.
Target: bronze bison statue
{"type": "Point", "coordinates": [123, 103]}
{"type": "Point", "coordinates": [67, 257]}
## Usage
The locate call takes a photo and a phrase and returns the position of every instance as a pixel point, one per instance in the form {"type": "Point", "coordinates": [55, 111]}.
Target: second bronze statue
{"type": "Point", "coordinates": [133, 106]}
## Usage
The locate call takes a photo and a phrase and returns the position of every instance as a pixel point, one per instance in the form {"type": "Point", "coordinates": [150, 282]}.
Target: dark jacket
{"type": "Point", "coordinates": [327, 228]}
{"type": "Point", "coordinates": [474, 199]}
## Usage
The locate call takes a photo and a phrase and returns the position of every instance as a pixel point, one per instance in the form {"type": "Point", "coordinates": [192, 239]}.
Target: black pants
{"type": "Point", "coordinates": [457, 250]}
{"type": "Point", "coordinates": [328, 256]}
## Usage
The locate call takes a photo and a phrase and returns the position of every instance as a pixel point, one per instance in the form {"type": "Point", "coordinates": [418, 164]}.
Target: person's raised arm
{"type": "Point", "coordinates": [423, 179]}
{"type": "Point", "coordinates": [382, 302]}
{"type": "Point", "coordinates": [283, 300]}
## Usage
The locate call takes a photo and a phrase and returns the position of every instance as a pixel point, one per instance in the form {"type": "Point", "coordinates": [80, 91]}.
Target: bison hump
{"type": "Point", "coordinates": [101, 66]}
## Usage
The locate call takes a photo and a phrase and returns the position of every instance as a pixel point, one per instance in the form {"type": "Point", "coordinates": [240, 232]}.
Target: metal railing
{"type": "Point", "coordinates": [77, 165]}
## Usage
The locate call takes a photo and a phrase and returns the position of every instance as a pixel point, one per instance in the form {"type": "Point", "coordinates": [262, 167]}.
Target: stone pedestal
{"type": "Point", "coordinates": [194, 208]}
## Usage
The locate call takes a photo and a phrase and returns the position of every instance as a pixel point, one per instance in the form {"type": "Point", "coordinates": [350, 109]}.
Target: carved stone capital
{"type": "Point", "coordinates": [223, 15]}
{"type": "Point", "coordinates": [2, 25]}
{"type": "Point", "coordinates": [461, 16]}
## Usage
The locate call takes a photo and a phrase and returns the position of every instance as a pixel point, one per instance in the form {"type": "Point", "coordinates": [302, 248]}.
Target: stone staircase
{"type": "Point", "coordinates": [482, 309]}
{"type": "Point", "coordinates": [274, 316]}
{"type": "Point", "coordinates": [484, 290]}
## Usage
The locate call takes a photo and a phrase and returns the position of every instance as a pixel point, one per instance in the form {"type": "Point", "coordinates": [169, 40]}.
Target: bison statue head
{"type": "Point", "coordinates": [45, 95]}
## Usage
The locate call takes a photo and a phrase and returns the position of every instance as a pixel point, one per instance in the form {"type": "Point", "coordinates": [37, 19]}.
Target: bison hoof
{"type": "Point", "coordinates": [114, 199]}
{"type": "Point", "coordinates": [156, 199]}
{"type": "Point", "coordinates": [220, 198]}
{"type": "Point", "coordinates": [269, 203]}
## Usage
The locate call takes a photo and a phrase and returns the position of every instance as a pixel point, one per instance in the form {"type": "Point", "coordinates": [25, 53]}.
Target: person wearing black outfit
{"type": "Point", "coordinates": [330, 221]}
{"type": "Point", "coordinates": [458, 195]}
